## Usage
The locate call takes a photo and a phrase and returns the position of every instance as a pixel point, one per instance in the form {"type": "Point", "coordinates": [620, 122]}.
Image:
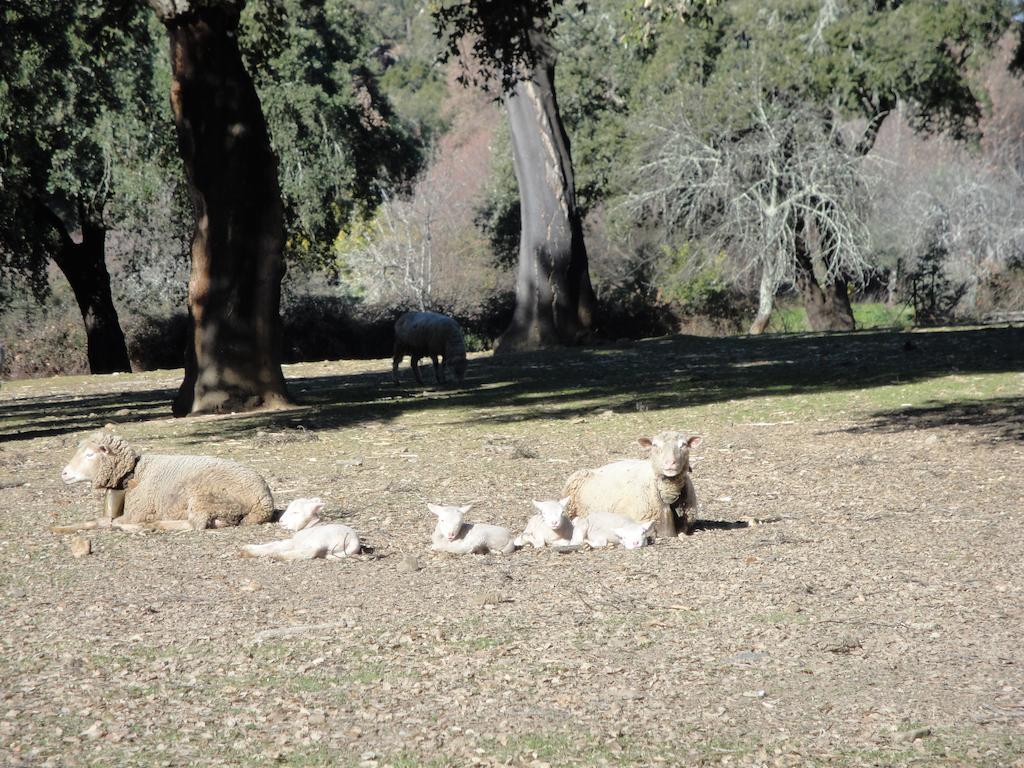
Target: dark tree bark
{"type": "Point", "coordinates": [828, 306]}
{"type": "Point", "coordinates": [554, 297]}
{"type": "Point", "coordinates": [233, 359]}
{"type": "Point", "coordinates": [85, 267]}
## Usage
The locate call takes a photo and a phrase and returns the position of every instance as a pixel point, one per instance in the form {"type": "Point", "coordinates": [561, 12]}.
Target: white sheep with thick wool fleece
{"type": "Point", "coordinates": [314, 538]}
{"type": "Point", "coordinates": [657, 489]}
{"type": "Point", "coordinates": [429, 334]}
{"type": "Point", "coordinates": [549, 527]}
{"type": "Point", "coordinates": [153, 491]}
{"type": "Point", "coordinates": [454, 535]}
{"type": "Point", "coordinates": [599, 529]}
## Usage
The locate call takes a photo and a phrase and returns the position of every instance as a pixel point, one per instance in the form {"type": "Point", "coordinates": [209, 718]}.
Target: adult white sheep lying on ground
{"type": "Point", "coordinates": [658, 488]}
{"type": "Point", "coordinates": [599, 529]}
{"type": "Point", "coordinates": [170, 493]}
{"type": "Point", "coordinates": [549, 527]}
{"type": "Point", "coordinates": [314, 538]}
{"type": "Point", "coordinates": [452, 534]}
{"type": "Point", "coordinates": [429, 334]}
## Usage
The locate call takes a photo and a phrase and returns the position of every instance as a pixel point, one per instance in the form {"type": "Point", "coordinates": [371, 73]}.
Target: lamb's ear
{"type": "Point", "coordinates": [435, 509]}
{"type": "Point", "coordinates": [538, 505]}
{"type": "Point", "coordinates": [563, 503]}
{"type": "Point", "coordinates": [694, 441]}
{"type": "Point", "coordinates": [645, 442]}
{"type": "Point", "coordinates": [647, 526]}
{"type": "Point", "coordinates": [102, 448]}
{"type": "Point", "coordinates": [465, 509]}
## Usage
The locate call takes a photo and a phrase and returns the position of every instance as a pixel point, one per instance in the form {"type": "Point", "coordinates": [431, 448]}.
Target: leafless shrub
{"type": "Point", "coordinates": [751, 188]}
{"type": "Point", "coordinates": [938, 202]}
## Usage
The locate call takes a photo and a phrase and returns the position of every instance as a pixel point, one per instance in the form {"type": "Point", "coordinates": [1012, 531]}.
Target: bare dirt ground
{"type": "Point", "coordinates": [874, 618]}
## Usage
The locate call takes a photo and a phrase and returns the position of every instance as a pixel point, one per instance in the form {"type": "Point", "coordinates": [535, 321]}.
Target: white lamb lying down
{"type": "Point", "coordinates": [599, 529]}
{"type": "Point", "coordinates": [452, 534]}
{"type": "Point", "coordinates": [314, 538]}
{"type": "Point", "coordinates": [549, 527]}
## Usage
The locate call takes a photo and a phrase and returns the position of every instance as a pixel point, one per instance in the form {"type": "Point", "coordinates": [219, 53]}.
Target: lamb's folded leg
{"type": "Point", "coordinates": [267, 550]}
{"type": "Point", "coordinates": [299, 553]}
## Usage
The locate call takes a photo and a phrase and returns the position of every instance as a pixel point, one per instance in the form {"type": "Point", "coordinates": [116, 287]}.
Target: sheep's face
{"type": "Point", "coordinates": [670, 452]}
{"type": "Point", "coordinates": [633, 536]}
{"type": "Point", "coordinates": [85, 464]}
{"type": "Point", "coordinates": [552, 511]}
{"type": "Point", "coordinates": [301, 513]}
{"type": "Point", "coordinates": [449, 520]}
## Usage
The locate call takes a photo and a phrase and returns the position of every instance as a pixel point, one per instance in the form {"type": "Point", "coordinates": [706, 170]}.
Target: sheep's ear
{"type": "Point", "coordinates": [538, 505]}
{"type": "Point", "coordinates": [645, 442]}
{"type": "Point", "coordinates": [647, 526]}
{"type": "Point", "coordinates": [465, 509]}
{"type": "Point", "coordinates": [102, 448]}
{"type": "Point", "coordinates": [563, 503]}
{"type": "Point", "coordinates": [436, 509]}
{"type": "Point", "coordinates": [694, 441]}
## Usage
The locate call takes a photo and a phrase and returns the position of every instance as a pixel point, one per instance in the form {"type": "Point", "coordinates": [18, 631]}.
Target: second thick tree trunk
{"type": "Point", "coordinates": [233, 360]}
{"type": "Point", "coordinates": [828, 306]}
{"type": "Point", "coordinates": [554, 297]}
{"type": "Point", "coordinates": [85, 267]}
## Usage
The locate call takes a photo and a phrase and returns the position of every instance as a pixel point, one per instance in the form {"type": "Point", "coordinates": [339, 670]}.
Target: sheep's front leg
{"type": "Point", "coordinates": [395, 361]}
{"type": "Point", "coordinates": [415, 365]}
{"type": "Point", "coordinates": [172, 525]}
{"type": "Point", "coordinates": [85, 525]}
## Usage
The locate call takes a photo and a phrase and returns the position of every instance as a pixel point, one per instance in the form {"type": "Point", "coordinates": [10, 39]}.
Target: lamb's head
{"type": "Point", "coordinates": [103, 459]}
{"type": "Point", "coordinates": [634, 536]}
{"type": "Point", "coordinates": [301, 513]}
{"type": "Point", "coordinates": [552, 511]}
{"type": "Point", "coordinates": [449, 520]}
{"type": "Point", "coordinates": [670, 452]}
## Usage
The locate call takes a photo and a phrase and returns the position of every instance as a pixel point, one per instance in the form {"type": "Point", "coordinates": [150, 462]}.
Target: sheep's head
{"type": "Point", "coordinates": [552, 511]}
{"type": "Point", "coordinates": [102, 459]}
{"type": "Point", "coordinates": [301, 513]}
{"type": "Point", "coordinates": [634, 536]}
{"type": "Point", "coordinates": [449, 520]}
{"type": "Point", "coordinates": [670, 452]}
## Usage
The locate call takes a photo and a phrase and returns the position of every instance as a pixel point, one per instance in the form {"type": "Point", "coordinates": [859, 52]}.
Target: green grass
{"type": "Point", "coordinates": [867, 316]}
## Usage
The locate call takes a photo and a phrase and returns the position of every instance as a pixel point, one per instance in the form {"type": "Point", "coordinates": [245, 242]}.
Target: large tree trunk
{"type": "Point", "coordinates": [827, 303]}
{"type": "Point", "coordinates": [233, 360]}
{"type": "Point", "coordinates": [554, 297]}
{"type": "Point", "coordinates": [85, 267]}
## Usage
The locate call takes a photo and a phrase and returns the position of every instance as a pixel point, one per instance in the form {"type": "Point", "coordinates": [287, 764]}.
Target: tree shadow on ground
{"type": "Point", "coordinates": [652, 374]}
{"type": "Point", "coordinates": [996, 419]}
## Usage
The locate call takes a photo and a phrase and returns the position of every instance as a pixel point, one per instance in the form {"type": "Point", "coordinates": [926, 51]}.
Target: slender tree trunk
{"type": "Point", "coordinates": [765, 304]}
{"type": "Point", "coordinates": [828, 306]}
{"type": "Point", "coordinates": [554, 297]}
{"type": "Point", "coordinates": [233, 359]}
{"type": "Point", "coordinates": [85, 267]}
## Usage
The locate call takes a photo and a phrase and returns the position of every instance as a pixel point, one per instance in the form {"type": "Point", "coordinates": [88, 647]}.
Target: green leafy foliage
{"type": "Point", "coordinates": [339, 143]}
{"type": "Point", "coordinates": [85, 130]}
